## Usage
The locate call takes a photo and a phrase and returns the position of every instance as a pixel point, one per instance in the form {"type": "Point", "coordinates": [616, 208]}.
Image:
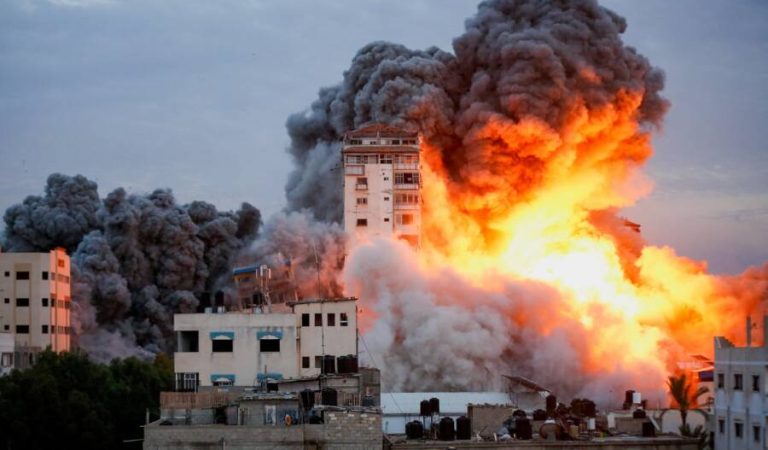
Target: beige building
{"type": "Point", "coordinates": [36, 302]}
{"type": "Point", "coordinates": [382, 185]}
{"type": "Point", "coordinates": [247, 348]}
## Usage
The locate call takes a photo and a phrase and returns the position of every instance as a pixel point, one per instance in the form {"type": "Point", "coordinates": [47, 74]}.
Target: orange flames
{"type": "Point", "coordinates": [536, 203]}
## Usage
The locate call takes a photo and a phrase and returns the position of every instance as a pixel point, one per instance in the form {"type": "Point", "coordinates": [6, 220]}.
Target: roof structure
{"type": "Point", "coordinates": [451, 403]}
{"type": "Point", "coordinates": [380, 130]}
{"type": "Point", "coordinates": [323, 300]}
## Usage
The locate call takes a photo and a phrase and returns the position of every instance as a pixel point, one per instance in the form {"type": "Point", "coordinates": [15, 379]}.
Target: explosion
{"type": "Point", "coordinates": [533, 138]}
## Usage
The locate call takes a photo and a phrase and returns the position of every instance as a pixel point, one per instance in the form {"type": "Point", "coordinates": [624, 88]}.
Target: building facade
{"type": "Point", "coordinates": [382, 183]}
{"type": "Point", "coordinates": [248, 348]}
{"type": "Point", "coordinates": [36, 305]}
{"type": "Point", "coordinates": [740, 414]}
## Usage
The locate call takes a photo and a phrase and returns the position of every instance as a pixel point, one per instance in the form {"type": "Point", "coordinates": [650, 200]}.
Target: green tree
{"type": "Point", "coordinates": [685, 395]}
{"type": "Point", "coordinates": [67, 400]}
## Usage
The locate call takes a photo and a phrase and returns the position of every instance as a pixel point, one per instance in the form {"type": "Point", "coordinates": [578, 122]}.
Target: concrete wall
{"type": "Point", "coordinates": [487, 419]}
{"type": "Point", "coordinates": [342, 430]}
{"type": "Point", "coordinates": [336, 340]}
{"type": "Point", "coordinates": [54, 317]}
{"type": "Point", "coordinates": [615, 444]}
{"type": "Point", "coordinates": [246, 362]}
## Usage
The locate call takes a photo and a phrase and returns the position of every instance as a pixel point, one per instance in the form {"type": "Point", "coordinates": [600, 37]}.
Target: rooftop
{"type": "Point", "coordinates": [380, 130]}
{"type": "Point", "coordinates": [323, 300]}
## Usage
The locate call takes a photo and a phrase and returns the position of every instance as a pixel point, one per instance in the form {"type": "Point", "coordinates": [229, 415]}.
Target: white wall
{"type": "Point", "coordinates": [339, 340]}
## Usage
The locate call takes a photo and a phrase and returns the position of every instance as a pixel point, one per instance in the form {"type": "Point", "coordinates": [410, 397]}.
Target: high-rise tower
{"type": "Point", "coordinates": [382, 183]}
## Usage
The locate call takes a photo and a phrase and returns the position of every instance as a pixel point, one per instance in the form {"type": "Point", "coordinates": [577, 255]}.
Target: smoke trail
{"type": "Point", "coordinates": [136, 259]}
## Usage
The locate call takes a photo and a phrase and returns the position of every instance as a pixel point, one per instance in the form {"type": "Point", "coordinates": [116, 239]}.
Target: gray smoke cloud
{"type": "Point", "coordinates": [136, 259]}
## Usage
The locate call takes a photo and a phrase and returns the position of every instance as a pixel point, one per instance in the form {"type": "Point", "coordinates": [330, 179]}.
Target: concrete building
{"type": "Point", "coordinates": [382, 183]}
{"type": "Point", "coordinates": [35, 288]}
{"type": "Point", "coordinates": [248, 348]}
{"type": "Point", "coordinates": [741, 406]}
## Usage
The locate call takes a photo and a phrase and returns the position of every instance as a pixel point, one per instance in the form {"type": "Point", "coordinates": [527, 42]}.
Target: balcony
{"type": "Point", "coordinates": [405, 166]}
{"type": "Point", "coordinates": [361, 187]}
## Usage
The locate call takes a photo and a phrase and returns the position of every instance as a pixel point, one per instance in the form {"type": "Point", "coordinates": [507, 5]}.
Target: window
{"type": "Point", "coordinates": [362, 222]}
{"type": "Point", "coordinates": [362, 201]}
{"type": "Point", "coordinates": [45, 329]}
{"type": "Point", "coordinates": [738, 429]}
{"type": "Point", "coordinates": [406, 159]}
{"type": "Point", "coordinates": [756, 383]}
{"type": "Point", "coordinates": [189, 341]}
{"type": "Point", "coordinates": [756, 433]}
{"type": "Point", "coordinates": [61, 263]}
{"type": "Point", "coordinates": [221, 345]}
{"type": "Point", "coordinates": [385, 159]}
{"type": "Point", "coordinates": [187, 381]}
{"type": "Point", "coordinates": [721, 426]}
{"type": "Point", "coordinates": [7, 274]}
{"type": "Point", "coordinates": [386, 199]}
{"type": "Point", "coordinates": [406, 199]}
{"type": "Point", "coordinates": [7, 300]}
{"type": "Point", "coordinates": [305, 362]}
{"type": "Point", "coordinates": [738, 383]}
{"type": "Point", "coordinates": [305, 320]}
{"type": "Point", "coordinates": [386, 219]}
{"type": "Point", "coordinates": [720, 381]}
{"type": "Point", "coordinates": [318, 362]}
{"type": "Point", "coordinates": [355, 142]}
{"type": "Point", "coordinates": [6, 360]}
{"type": "Point", "coordinates": [407, 178]}
{"type": "Point", "coordinates": [5, 327]}
{"type": "Point", "coordinates": [45, 274]}
{"type": "Point", "coordinates": [318, 320]}
{"type": "Point", "coordinates": [395, 141]}
{"type": "Point", "coordinates": [343, 320]}
{"type": "Point", "coordinates": [331, 319]}
{"type": "Point", "coordinates": [404, 219]}
{"type": "Point", "coordinates": [22, 275]}
{"type": "Point", "coordinates": [269, 345]}
{"type": "Point", "coordinates": [22, 329]}
{"type": "Point", "coordinates": [362, 183]}
{"type": "Point", "coordinates": [22, 302]}
{"type": "Point", "coordinates": [45, 301]}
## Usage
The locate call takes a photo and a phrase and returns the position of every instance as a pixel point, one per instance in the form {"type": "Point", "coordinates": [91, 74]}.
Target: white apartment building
{"type": "Point", "coordinates": [382, 183]}
{"type": "Point", "coordinates": [246, 348]}
{"type": "Point", "coordinates": [740, 416]}
{"type": "Point", "coordinates": [36, 302]}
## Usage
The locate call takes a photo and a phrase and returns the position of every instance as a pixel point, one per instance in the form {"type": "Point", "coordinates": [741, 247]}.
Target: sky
{"type": "Point", "coordinates": [193, 95]}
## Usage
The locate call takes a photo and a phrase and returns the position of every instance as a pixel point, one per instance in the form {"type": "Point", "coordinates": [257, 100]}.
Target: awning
{"type": "Point", "coordinates": [222, 378]}
{"type": "Point", "coordinates": [269, 376]}
{"type": "Point", "coordinates": [222, 335]}
{"type": "Point", "coordinates": [269, 334]}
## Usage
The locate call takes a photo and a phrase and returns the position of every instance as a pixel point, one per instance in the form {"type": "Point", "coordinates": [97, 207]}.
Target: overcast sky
{"type": "Point", "coordinates": [193, 95]}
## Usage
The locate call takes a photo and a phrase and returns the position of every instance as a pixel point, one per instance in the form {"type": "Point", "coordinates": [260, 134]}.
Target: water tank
{"type": "Point", "coordinates": [368, 400]}
{"type": "Point", "coordinates": [329, 364]}
{"type": "Point", "coordinates": [219, 298]}
{"type": "Point", "coordinates": [414, 430]}
{"type": "Point", "coordinates": [648, 429]}
{"type": "Point", "coordinates": [588, 408]}
{"type": "Point", "coordinates": [329, 397]}
{"type": "Point", "coordinates": [638, 414]}
{"type": "Point", "coordinates": [308, 398]}
{"type": "Point", "coordinates": [446, 430]}
{"type": "Point", "coordinates": [434, 405]}
{"type": "Point", "coordinates": [628, 398]}
{"type": "Point", "coordinates": [539, 414]}
{"type": "Point", "coordinates": [523, 429]}
{"type": "Point", "coordinates": [205, 302]}
{"type": "Point", "coordinates": [551, 405]}
{"type": "Point", "coordinates": [353, 366]}
{"type": "Point", "coordinates": [463, 428]}
{"type": "Point", "coordinates": [342, 364]}
{"type": "Point", "coordinates": [519, 413]}
{"type": "Point", "coordinates": [425, 408]}
{"type": "Point", "coordinates": [551, 431]}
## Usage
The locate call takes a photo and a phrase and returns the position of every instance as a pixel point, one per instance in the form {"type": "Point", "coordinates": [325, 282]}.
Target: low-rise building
{"type": "Point", "coordinates": [36, 302]}
{"type": "Point", "coordinates": [249, 348]}
{"type": "Point", "coordinates": [741, 383]}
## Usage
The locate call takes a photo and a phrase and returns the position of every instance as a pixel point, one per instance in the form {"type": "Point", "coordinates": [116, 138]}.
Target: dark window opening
{"type": "Point", "coordinates": [756, 383]}
{"type": "Point", "coordinates": [22, 275]}
{"type": "Point", "coordinates": [343, 319]}
{"type": "Point", "coordinates": [305, 320]}
{"type": "Point", "coordinates": [362, 222]}
{"type": "Point", "coordinates": [187, 381]}
{"type": "Point", "coordinates": [738, 383]}
{"type": "Point", "coordinates": [305, 362]}
{"type": "Point", "coordinates": [189, 341]}
{"type": "Point", "coordinates": [7, 274]}
{"type": "Point", "coordinates": [721, 426]}
{"type": "Point", "coordinates": [221, 345]}
{"type": "Point", "coordinates": [269, 345]}
{"type": "Point", "coordinates": [45, 274]}
{"type": "Point", "coordinates": [22, 302]}
{"type": "Point", "coordinates": [738, 429]}
{"type": "Point", "coordinates": [331, 319]}
{"type": "Point", "coordinates": [7, 300]}
{"type": "Point", "coordinates": [756, 433]}
{"type": "Point", "coordinates": [22, 329]}
{"type": "Point", "coordinates": [720, 381]}
{"type": "Point", "coordinates": [45, 301]}
{"type": "Point", "coordinates": [45, 329]}
{"type": "Point", "coordinates": [318, 320]}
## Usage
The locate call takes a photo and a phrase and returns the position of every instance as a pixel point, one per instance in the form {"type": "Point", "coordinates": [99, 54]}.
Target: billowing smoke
{"type": "Point", "coordinates": [534, 131]}
{"type": "Point", "coordinates": [136, 259]}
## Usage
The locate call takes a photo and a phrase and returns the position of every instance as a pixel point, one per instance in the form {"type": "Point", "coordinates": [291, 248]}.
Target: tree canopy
{"type": "Point", "coordinates": [67, 400]}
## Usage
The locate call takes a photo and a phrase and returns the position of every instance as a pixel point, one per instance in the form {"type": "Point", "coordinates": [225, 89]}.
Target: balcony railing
{"type": "Point", "coordinates": [361, 187]}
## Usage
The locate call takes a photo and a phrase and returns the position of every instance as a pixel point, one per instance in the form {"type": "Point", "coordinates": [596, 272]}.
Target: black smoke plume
{"type": "Point", "coordinates": [136, 259]}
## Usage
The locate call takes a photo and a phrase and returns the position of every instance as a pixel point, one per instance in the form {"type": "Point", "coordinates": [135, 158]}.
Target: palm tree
{"type": "Point", "coordinates": [681, 388]}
